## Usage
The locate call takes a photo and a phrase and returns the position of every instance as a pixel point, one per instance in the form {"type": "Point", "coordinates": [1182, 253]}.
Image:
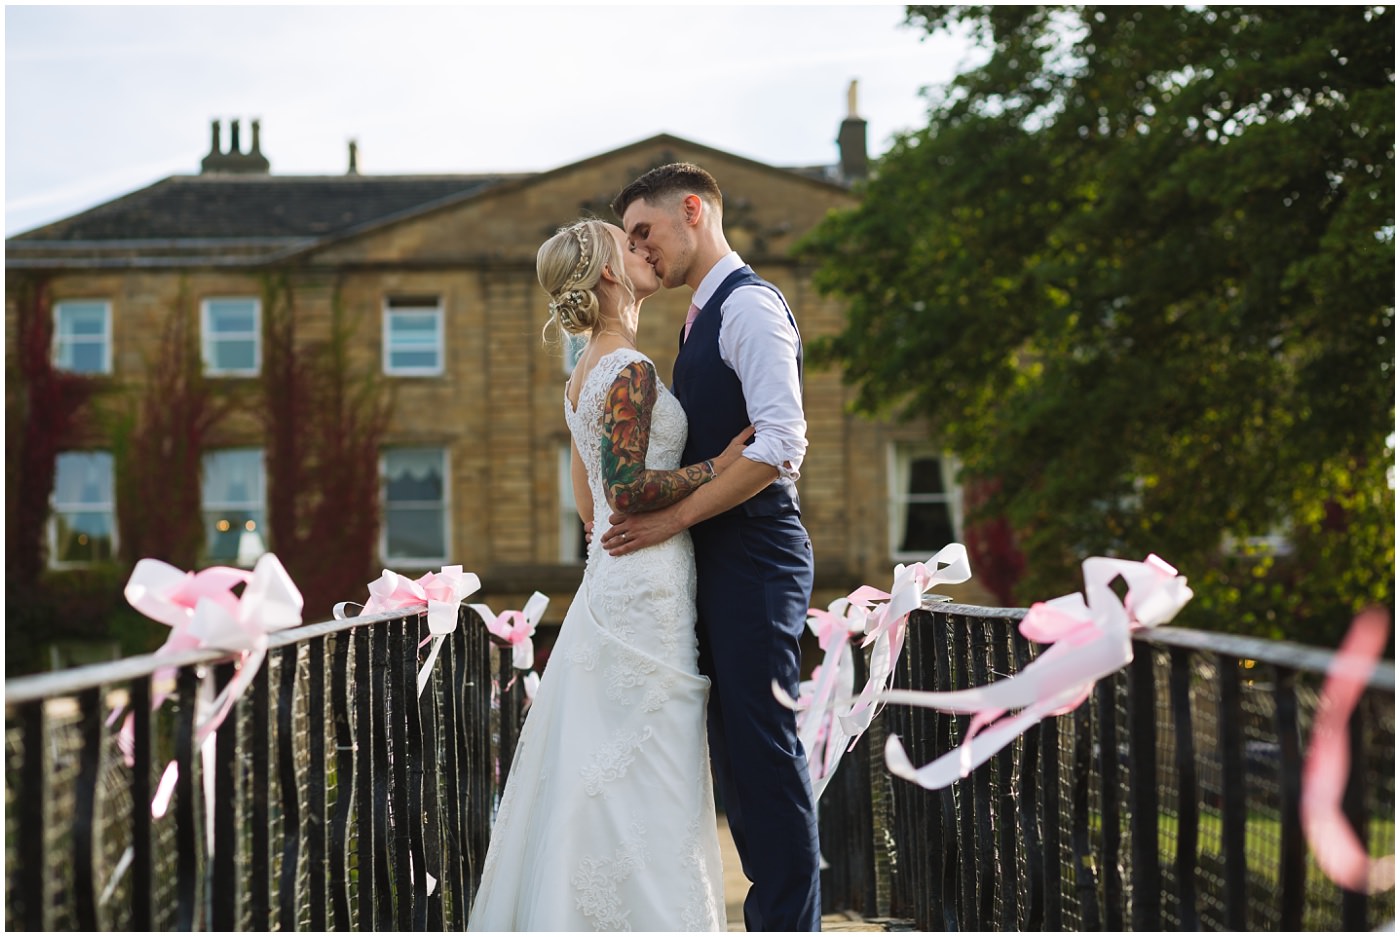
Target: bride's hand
{"type": "Point", "coordinates": [734, 450]}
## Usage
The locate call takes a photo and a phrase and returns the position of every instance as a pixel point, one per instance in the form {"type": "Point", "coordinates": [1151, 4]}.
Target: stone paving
{"type": "Point", "coordinates": [736, 886]}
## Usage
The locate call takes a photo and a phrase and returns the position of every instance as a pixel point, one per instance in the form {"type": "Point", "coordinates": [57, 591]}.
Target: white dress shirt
{"type": "Point", "coordinates": [760, 344]}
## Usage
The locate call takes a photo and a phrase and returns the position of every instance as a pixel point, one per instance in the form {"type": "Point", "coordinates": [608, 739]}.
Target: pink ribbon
{"type": "Point", "coordinates": [441, 593]}
{"type": "Point", "coordinates": [203, 613]}
{"type": "Point", "coordinates": [1339, 853]}
{"type": "Point", "coordinates": [831, 718]}
{"type": "Point", "coordinates": [888, 623]}
{"type": "Point", "coordinates": [517, 629]}
{"type": "Point", "coordinates": [1090, 638]}
{"type": "Point", "coordinates": [831, 686]}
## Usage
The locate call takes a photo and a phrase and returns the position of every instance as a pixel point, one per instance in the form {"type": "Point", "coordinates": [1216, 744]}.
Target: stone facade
{"type": "Point", "coordinates": [496, 408]}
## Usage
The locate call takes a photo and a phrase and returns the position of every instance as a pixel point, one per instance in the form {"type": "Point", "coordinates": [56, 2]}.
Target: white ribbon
{"type": "Point", "coordinates": [830, 718]}
{"type": "Point", "coordinates": [517, 628]}
{"type": "Point", "coordinates": [1090, 640]}
{"type": "Point", "coordinates": [441, 593]}
{"type": "Point", "coordinates": [203, 613]}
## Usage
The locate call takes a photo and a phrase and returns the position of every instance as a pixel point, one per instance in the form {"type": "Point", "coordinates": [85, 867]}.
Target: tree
{"type": "Point", "coordinates": [160, 448]}
{"type": "Point", "coordinates": [324, 424]}
{"type": "Point", "coordinates": [1138, 273]}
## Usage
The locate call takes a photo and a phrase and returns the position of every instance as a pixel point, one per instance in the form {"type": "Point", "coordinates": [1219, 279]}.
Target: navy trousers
{"type": "Point", "coordinates": [754, 585]}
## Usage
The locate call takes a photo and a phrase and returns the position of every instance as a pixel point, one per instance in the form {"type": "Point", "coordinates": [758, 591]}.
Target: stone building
{"type": "Point", "coordinates": [435, 275]}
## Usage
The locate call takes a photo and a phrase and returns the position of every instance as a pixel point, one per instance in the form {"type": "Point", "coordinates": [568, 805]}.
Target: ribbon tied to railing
{"type": "Point", "coordinates": [830, 718]}
{"type": "Point", "coordinates": [441, 593]}
{"type": "Point", "coordinates": [203, 613]}
{"type": "Point", "coordinates": [888, 624]}
{"type": "Point", "coordinates": [1089, 637]}
{"type": "Point", "coordinates": [516, 628]}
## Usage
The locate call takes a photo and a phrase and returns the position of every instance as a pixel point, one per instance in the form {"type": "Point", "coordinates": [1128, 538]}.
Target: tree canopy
{"type": "Point", "coordinates": [1138, 273]}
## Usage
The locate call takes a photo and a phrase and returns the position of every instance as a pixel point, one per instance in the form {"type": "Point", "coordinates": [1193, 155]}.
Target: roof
{"type": "Point", "coordinates": [237, 219]}
{"type": "Point", "coordinates": [254, 207]}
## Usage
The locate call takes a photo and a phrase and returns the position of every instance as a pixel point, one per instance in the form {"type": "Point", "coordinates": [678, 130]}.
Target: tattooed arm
{"type": "Point", "coordinates": [632, 487]}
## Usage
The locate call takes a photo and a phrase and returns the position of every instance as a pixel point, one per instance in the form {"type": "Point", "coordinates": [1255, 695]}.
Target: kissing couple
{"type": "Point", "coordinates": [692, 603]}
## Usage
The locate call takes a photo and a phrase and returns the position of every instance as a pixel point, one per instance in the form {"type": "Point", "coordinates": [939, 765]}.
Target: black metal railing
{"type": "Point", "coordinates": [1167, 801]}
{"type": "Point", "coordinates": [335, 796]}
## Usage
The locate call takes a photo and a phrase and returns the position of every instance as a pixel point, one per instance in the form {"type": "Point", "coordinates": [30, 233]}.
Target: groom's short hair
{"type": "Point", "coordinates": [671, 179]}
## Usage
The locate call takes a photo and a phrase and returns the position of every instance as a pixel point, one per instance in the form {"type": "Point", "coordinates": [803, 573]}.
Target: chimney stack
{"type": "Point", "coordinates": [850, 141]}
{"type": "Point", "coordinates": [234, 160]}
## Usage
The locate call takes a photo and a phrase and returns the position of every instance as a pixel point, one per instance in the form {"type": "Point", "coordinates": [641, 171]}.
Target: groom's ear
{"type": "Point", "coordinates": [693, 209]}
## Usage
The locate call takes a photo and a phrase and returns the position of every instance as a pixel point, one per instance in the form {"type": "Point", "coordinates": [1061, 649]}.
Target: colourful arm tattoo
{"type": "Point", "coordinates": [631, 486]}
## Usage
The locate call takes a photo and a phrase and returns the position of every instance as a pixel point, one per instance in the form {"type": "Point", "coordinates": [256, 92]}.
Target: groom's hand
{"type": "Point", "coordinates": [632, 532]}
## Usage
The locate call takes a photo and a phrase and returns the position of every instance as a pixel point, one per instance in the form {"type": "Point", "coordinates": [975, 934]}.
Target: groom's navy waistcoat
{"type": "Point", "coordinates": [713, 399]}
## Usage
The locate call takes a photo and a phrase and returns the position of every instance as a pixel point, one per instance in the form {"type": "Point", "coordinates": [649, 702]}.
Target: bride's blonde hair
{"type": "Point", "coordinates": [570, 268]}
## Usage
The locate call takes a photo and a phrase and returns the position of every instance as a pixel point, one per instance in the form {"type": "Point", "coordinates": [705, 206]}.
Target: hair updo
{"type": "Point", "coordinates": [569, 266]}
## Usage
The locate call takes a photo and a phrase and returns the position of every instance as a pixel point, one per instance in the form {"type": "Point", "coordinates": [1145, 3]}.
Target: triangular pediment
{"type": "Point", "coordinates": [505, 223]}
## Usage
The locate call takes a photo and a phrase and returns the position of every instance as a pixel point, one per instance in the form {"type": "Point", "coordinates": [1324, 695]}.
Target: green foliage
{"type": "Point", "coordinates": [325, 420]}
{"type": "Point", "coordinates": [1139, 271]}
{"type": "Point", "coordinates": [159, 443]}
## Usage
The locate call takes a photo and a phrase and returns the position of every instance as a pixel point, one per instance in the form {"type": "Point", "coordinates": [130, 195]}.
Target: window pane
{"type": "Point", "coordinates": [232, 316]}
{"type": "Point", "coordinates": [413, 328]}
{"type": "Point", "coordinates": [416, 360]}
{"type": "Point", "coordinates": [415, 532]}
{"type": "Point", "coordinates": [224, 529]}
{"type": "Point", "coordinates": [925, 476]}
{"type": "Point", "coordinates": [82, 319]}
{"type": "Point", "coordinates": [414, 511]}
{"type": "Point", "coordinates": [235, 355]}
{"type": "Point", "coordinates": [412, 340]}
{"type": "Point", "coordinates": [927, 528]}
{"type": "Point", "coordinates": [80, 332]}
{"type": "Point", "coordinates": [83, 478]}
{"type": "Point", "coordinates": [83, 537]}
{"type": "Point", "coordinates": [84, 357]}
{"type": "Point", "coordinates": [414, 475]}
{"type": "Point", "coordinates": [233, 477]}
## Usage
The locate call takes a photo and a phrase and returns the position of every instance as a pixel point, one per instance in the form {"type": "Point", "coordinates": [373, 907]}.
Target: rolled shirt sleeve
{"type": "Point", "coordinates": [758, 340]}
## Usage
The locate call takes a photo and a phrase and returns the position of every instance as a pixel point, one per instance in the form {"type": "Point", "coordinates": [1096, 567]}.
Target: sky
{"type": "Point", "coordinates": [103, 100]}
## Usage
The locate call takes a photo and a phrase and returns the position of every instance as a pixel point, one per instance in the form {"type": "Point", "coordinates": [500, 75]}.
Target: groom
{"type": "Point", "coordinates": [740, 363]}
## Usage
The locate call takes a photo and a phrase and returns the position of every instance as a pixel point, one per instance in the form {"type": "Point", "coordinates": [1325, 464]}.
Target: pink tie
{"type": "Point", "coordinates": [690, 320]}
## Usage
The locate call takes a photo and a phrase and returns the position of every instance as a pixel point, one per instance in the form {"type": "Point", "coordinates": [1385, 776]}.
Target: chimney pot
{"type": "Point", "coordinates": [850, 141]}
{"type": "Point", "coordinates": [354, 169]}
{"type": "Point", "coordinates": [234, 160]}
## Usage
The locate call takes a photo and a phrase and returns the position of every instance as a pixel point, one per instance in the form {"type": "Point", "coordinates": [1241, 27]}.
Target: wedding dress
{"type": "Point", "coordinates": [607, 821]}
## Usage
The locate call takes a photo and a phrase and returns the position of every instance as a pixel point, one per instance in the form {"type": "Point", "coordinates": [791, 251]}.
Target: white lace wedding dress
{"type": "Point", "coordinates": [607, 821]}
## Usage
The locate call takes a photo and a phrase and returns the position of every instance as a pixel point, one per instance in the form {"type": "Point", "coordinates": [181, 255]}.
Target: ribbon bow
{"type": "Point", "coordinates": [516, 628]}
{"type": "Point", "coordinates": [1090, 637]}
{"type": "Point", "coordinates": [203, 612]}
{"type": "Point", "coordinates": [441, 593]}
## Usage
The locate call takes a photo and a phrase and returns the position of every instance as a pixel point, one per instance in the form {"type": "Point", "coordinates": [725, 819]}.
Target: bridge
{"type": "Point", "coordinates": [336, 796]}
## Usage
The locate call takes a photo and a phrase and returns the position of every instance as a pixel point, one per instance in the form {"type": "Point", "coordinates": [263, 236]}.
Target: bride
{"type": "Point", "coordinates": [607, 821]}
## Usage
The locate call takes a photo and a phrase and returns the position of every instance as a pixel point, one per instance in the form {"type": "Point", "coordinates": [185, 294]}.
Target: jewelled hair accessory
{"type": "Point", "coordinates": [581, 233]}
